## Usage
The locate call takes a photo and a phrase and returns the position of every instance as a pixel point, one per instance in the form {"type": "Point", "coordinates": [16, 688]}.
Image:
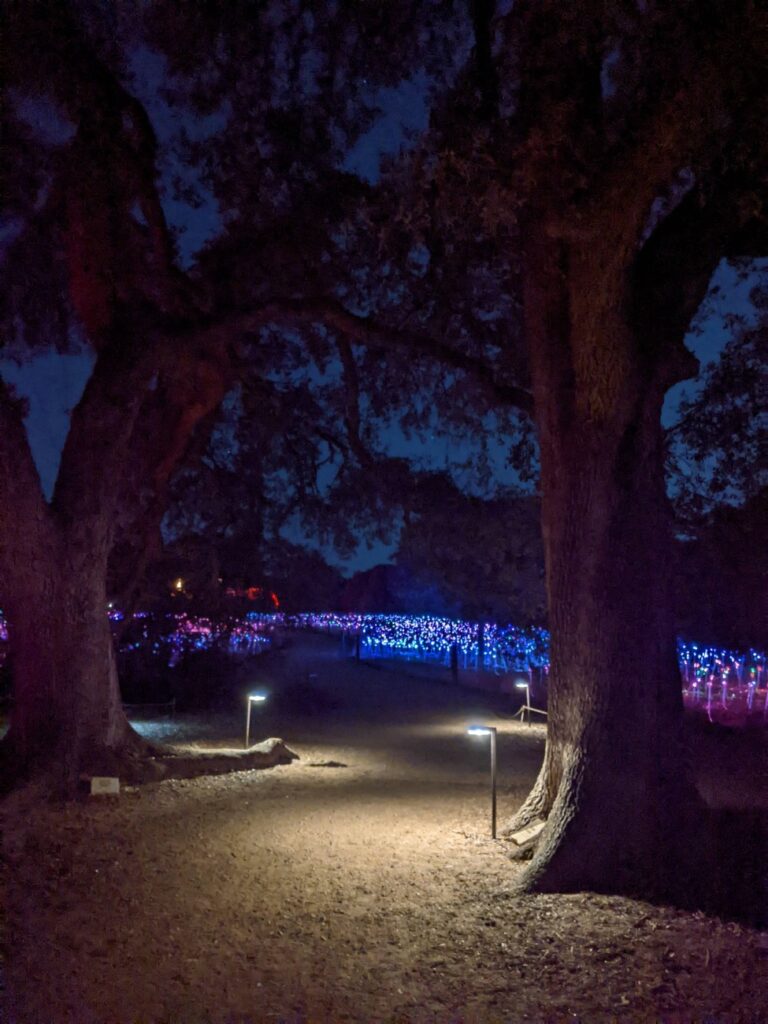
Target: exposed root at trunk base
{"type": "Point", "coordinates": [525, 841]}
{"type": "Point", "coordinates": [711, 861]}
{"type": "Point", "coordinates": [536, 806]}
{"type": "Point", "coordinates": [154, 762]}
{"type": "Point", "coordinates": [136, 761]}
{"type": "Point", "coordinates": [181, 763]}
{"type": "Point", "coordinates": [59, 768]}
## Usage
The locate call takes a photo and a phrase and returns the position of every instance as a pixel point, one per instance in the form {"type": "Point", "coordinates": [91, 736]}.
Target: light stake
{"type": "Point", "coordinates": [489, 730]}
{"type": "Point", "coordinates": [253, 698]}
{"type": "Point", "coordinates": [526, 708]}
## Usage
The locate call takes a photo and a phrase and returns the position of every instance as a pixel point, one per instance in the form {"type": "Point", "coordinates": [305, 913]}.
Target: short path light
{"type": "Point", "coordinates": [253, 698]}
{"type": "Point", "coordinates": [489, 730]}
{"type": "Point", "coordinates": [526, 709]}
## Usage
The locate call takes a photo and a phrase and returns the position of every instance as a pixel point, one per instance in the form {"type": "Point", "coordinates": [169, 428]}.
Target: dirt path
{"type": "Point", "coordinates": [368, 892]}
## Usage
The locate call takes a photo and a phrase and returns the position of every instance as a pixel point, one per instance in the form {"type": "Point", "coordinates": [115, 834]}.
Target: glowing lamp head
{"type": "Point", "coordinates": [178, 584]}
{"type": "Point", "coordinates": [521, 685]}
{"type": "Point", "coordinates": [480, 730]}
{"type": "Point", "coordinates": [257, 698]}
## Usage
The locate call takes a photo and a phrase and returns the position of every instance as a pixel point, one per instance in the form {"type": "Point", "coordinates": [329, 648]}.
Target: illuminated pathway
{"type": "Point", "coordinates": [358, 884]}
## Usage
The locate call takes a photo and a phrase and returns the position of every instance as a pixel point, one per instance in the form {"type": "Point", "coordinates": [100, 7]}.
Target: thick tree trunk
{"type": "Point", "coordinates": [614, 786]}
{"type": "Point", "coordinates": [127, 434]}
{"type": "Point", "coordinates": [67, 718]}
{"type": "Point", "coordinates": [67, 714]}
{"type": "Point", "coordinates": [612, 782]}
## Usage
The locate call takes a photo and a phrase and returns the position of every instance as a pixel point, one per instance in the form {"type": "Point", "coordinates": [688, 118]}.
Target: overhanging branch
{"type": "Point", "coordinates": [352, 402]}
{"type": "Point", "coordinates": [365, 331]}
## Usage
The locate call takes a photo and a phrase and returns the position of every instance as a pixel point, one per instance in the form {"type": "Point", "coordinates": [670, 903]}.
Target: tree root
{"type": "Point", "coordinates": [535, 807]}
{"type": "Point", "coordinates": [181, 763]}
{"type": "Point", "coordinates": [526, 841]}
{"type": "Point", "coordinates": [135, 762]}
{"type": "Point", "coordinates": [523, 851]}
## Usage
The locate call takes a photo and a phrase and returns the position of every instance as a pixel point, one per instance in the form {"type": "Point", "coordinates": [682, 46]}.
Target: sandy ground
{"type": "Point", "coordinates": [357, 884]}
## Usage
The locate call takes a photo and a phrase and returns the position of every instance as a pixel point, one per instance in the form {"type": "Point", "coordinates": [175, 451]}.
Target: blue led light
{"type": "Point", "coordinates": [717, 679]}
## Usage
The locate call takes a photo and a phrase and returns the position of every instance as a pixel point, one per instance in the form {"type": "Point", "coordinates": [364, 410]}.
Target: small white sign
{"type": "Point", "coordinates": [103, 785]}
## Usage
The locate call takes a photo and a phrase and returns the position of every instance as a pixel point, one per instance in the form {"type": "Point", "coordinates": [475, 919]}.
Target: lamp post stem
{"type": "Point", "coordinates": [493, 784]}
{"type": "Point", "coordinates": [248, 724]}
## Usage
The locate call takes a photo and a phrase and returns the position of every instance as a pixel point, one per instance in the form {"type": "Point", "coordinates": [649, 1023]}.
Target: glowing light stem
{"type": "Point", "coordinates": [493, 784]}
{"type": "Point", "coordinates": [710, 683]}
{"type": "Point", "coordinates": [253, 698]}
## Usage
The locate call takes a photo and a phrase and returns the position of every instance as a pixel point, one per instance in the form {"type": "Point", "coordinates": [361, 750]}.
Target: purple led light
{"type": "Point", "coordinates": [739, 675]}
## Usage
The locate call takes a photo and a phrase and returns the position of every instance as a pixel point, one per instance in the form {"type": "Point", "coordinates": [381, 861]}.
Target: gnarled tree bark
{"type": "Point", "coordinates": [67, 713]}
{"type": "Point", "coordinates": [610, 283]}
{"type": "Point", "coordinates": [614, 786]}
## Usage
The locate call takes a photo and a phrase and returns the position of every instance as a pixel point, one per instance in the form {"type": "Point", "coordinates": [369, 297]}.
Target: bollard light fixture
{"type": "Point", "coordinates": [526, 710]}
{"type": "Point", "coordinates": [489, 730]}
{"type": "Point", "coordinates": [257, 697]}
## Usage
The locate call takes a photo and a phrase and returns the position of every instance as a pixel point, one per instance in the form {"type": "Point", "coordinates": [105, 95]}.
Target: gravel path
{"type": "Point", "coordinates": [357, 884]}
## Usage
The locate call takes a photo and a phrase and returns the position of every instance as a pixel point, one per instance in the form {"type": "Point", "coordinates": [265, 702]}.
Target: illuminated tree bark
{"type": "Point", "coordinates": [67, 713]}
{"type": "Point", "coordinates": [130, 429]}
{"type": "Point", "coordinates": [67, 708]}
{"type": "Point", "coordinates": [157, 375]}
{"type": "Point", "coordinates": [614, 787]}
{"type": "Point", "coordinates": [610, 285]}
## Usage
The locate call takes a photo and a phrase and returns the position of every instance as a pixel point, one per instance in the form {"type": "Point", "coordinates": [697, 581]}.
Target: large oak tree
{"type": "Point", "coordinates": [101, 145]}
{"type": "Point", "coordinates": [627, 145]}
{"type": "Point", "coordinates": [90, 256]}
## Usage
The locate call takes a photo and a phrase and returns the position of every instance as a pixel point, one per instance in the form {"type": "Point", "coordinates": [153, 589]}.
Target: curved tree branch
{"type": "Point", "coordinates": [352, 401]}
{"type": "Point", "coordinates": [364, 331]}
